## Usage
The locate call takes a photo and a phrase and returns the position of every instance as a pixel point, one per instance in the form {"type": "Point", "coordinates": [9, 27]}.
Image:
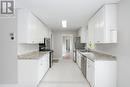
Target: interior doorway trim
{"type": "Point", "coordinates": [71, 46]}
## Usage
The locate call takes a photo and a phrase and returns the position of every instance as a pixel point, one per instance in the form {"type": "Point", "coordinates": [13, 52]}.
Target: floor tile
{"type": "Point", "coordinates": [65, 73]}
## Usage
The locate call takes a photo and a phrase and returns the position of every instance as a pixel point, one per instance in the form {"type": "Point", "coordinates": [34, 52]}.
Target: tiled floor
{"type": "Point", "coordinates": [65, 73]}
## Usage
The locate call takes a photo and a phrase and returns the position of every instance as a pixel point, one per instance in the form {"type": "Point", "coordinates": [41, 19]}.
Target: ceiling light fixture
{"type": "Point", "coordinates": [64, 23]}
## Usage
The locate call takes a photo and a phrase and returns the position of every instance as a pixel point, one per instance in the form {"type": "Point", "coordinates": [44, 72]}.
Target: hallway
{"type": "Point", "coordinates": [65, 73]}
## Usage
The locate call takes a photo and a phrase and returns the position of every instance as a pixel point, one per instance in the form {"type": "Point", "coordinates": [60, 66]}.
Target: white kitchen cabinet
{"type": "Point", "coordinates": [30, 28]}
{"type": "Point", "coordinates": [105, 74]}
{"type": "Point", "coordinates": [31, 71]}
{"type": "Point", "coordinates": [83, 35]}
{"type": "Point", "coordinates": [91, 32]}
{"type": "Point", "coordinates": [36, 33]}
{"type": "Point", "coordinates": [102, 27]}
{"type": "Point", "coordinates": [90, 71]}
{"type": "Point", "coordinates": [101, 73]}
{"type": "Point", "coordinates": [99, 28]}
{"type": "Point", "coordinates": [43, 66]}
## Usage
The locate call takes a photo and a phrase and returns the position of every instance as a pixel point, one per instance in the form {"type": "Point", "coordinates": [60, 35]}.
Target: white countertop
{"type": "Point", "coordinates": [32, 55]}
{"type": "Point", "coordinates": [98, 56]}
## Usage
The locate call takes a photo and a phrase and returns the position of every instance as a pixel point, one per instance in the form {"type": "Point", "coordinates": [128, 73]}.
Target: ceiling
{"type": "Point", "coordinates": [52, 12]}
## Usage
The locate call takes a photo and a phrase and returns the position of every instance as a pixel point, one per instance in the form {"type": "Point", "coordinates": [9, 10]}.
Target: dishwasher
{"type": "Point", "coordinates": [83, 65]}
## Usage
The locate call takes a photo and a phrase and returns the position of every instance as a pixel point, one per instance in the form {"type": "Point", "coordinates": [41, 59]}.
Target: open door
{"type": "Point", "coordinates": [67, 45]}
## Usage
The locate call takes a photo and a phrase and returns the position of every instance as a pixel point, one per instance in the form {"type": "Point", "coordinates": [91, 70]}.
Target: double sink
{"type": "Point", "coordinates": [89, 55]}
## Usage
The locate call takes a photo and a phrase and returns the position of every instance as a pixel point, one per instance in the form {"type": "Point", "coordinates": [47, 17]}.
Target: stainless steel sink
{"type": "Point", "coordinates": [89, 55]}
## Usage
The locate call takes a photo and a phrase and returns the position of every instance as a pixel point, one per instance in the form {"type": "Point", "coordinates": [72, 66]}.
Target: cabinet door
{"type": "Point", "coordinates": [105, 73]}
{"type": "Point", "coordinates": [102, 28]}
{"type": "Point", "coordinates": [83, 35]}
{"type": "Point", "coordinates": [36, 29]}
{"type": "Point", "coordinates": [99, 27]}
{"type": "Point", "coordinates": [28, 72]}
{"type": "Point", "coordinates": [91, 27]}
{"type": "Point", "coordinates": [90, 72]}
{"type": "Point", "coordinates": [47, 61]}
{"type": "Point", "coordinates": [40, 68]}
{"type": "Point", "coordinates": [30, 28]}
{"type": "Point", "coordinates": [111, 23]}
{"type": "Point", "coordinates": [43, 66]}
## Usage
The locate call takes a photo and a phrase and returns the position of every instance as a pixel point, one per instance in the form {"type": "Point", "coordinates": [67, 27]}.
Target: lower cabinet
{"type": "Point", "coordinates": [31, 71]}
{"type": "Point", "coordinates": [101, 73]}
{"type": "Point", "coordinates": [90, 71]}
{"type": "Point", "coordinates": [43, 66]}
{"type": "Point", "coordinates": [105, 74]}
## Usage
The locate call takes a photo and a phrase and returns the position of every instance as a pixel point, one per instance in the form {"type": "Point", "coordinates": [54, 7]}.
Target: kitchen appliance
{"type": "Point", "coordinates": [77, 46]}
{"type": "Point", "coordinates": [76, 42]}
{"type": "Point", "coordinates": [82, 46]}
{"type": "Point", "coordinates": [51, 59]}
{"type": "Point", "coordinates": [45, 46]}
{"type": "Point", "coordinates": [83, 65]}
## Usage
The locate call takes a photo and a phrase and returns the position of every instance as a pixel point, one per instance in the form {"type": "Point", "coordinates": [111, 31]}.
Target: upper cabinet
{"type": "Point", "coordinates": [30, 28]}
{"type": "Point", "coordinates": [102, 27]}
{"type": "Point", "coordinates": [82, 33]}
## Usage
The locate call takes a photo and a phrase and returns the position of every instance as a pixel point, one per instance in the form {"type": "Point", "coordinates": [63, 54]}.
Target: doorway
{"type": "Point", "coordinates": [67, 45]}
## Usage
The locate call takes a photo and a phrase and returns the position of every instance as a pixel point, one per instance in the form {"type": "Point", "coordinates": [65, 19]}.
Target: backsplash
{"type": "Point", "coordinates": [26, 48]}
{"type": "Point", "coordinates": [108, 48]}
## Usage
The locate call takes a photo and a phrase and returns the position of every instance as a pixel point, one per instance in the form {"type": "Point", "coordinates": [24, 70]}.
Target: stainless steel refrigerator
{"type": "Point", "coordinates": [76, 43]}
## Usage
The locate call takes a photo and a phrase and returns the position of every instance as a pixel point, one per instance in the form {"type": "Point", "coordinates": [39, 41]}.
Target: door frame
{"type": "Point", "coordinates": [71, 41]}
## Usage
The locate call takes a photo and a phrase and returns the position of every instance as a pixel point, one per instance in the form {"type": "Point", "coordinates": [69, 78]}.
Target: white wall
{"type": "Point", "coordinates": [26, 48]}
{"type": "Point", "coordinates": [122, 48]}
{"type": "Point", "coordinates": [57, 41]}
{"type": "Point", "coordinates": [8, 51]}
